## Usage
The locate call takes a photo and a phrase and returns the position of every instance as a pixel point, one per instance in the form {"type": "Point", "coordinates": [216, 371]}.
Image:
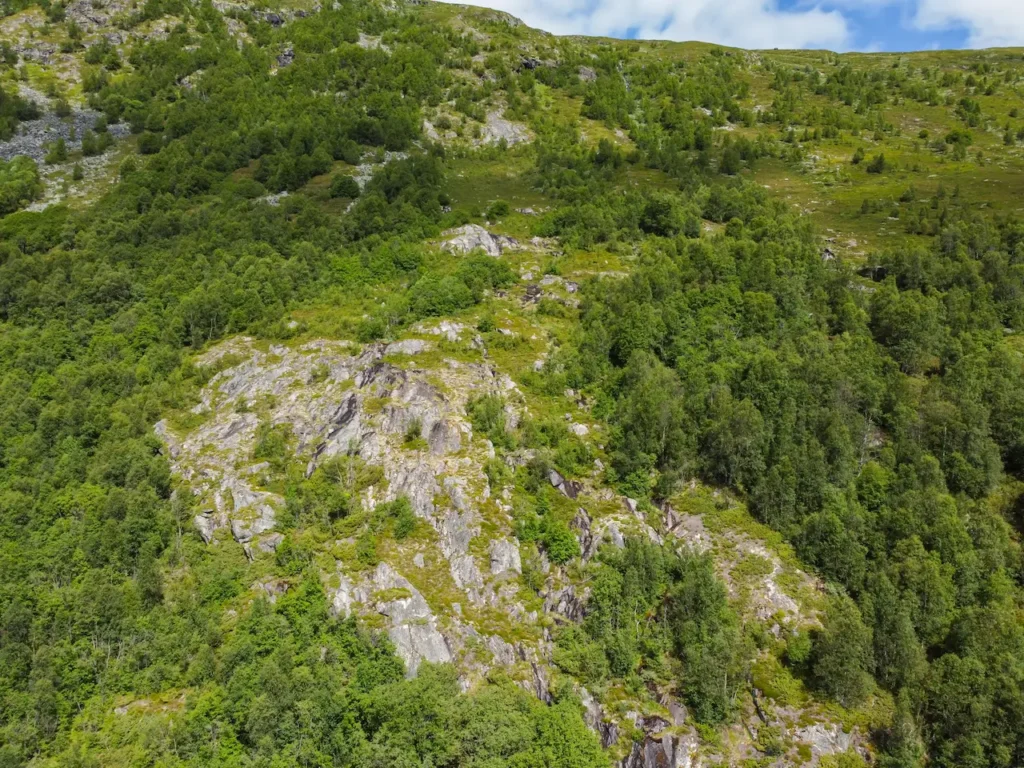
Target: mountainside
{"type": "Point", "coordinates": [397, 385]}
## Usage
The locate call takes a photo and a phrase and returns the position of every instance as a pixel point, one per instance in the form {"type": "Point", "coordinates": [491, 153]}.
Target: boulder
{"type": "Point", "coordinates": [207, 524]}
{"type": "Point", "coordinates": [472, 237]}
{"type": "Point", "coordinates": [286, 57]}
{"type": "Point", "coordinates": [408, 347]}
{"type": "Point", "coordinates": [568, 488]}
{"type": "Point", "coordinates": [270, 543]}
{"type": "Point", "coordinates": [497, 129]}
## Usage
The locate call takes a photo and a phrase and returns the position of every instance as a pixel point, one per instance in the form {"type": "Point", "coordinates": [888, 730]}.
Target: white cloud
{"type": "Point", "coordinates": [763, 24]}
{"type": "Point", "coordinates": [741, 23]}
{"type": "Point", "coordinates": [989, 23]}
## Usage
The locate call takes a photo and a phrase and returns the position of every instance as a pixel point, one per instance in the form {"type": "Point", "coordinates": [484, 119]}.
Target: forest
{"type": "Point", "coordinates": [866, 405]}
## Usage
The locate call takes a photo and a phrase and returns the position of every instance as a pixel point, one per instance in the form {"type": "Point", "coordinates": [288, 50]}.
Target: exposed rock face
{"type": "Point", "coordinates": [343, 596]}
{"type": "Point", "coordinates": [689, 528]}
{"type": "Point", "coordinates": [408, 347]}
{"type": "Point", "coordinates": [568, 488]}
{"type": "Point", "coordinates": [825, 739]}
{"type": "Point", "coordinates": [364, 171]}
{"type": "Point", "coordinates": [272, 588]}
{"type": "Point", "coordinates": [505, 560]}
{"type": "Point", "coordinates": [368, 42]}
{"type": "Point", "coordinates": [448, 329]}
{"type": "Point", "coordinates": [565, 602]}
{"type": "Point", "coordinates": [667, 751]}
{"type": "Point", "coordinates": [436, 133]}
{"type": "Point", "coordinates": [581, 523]}
{"type": "Point", "coordinates": [498, 129]}
{"type": "Point", "coordinates": [373, 402]}
{"type": "Point", "coordinates": [412, 626]}
{"type": "Point", "coordinates": [766, 598]}
{"type": "Point", "coordinates": [594, 717]}
{"type": "Point", "coordinates": [319, 393]}
{"type": "Point", "coordinates": [472, 237]}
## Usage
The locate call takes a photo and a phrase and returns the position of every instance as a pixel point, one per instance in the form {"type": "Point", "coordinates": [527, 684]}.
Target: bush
{"type": "Point", "coordinates": [19, 184]}
{"type": "Point", "coordinates": [57, 153]}
{"type": "Point", "coordinates": [273, 445]}
{"type": "Point", "coordinates": [94, 80]}
{"type": "Point", "coordinates": [498, 210]}
{"type": "Point", "coordinates": [343, 185]}
{"type": "Point", "coordinates": [433, 296]}
{"type": "Point", "coordinates": [559, 542]}
{"type": "Point", "coordinates": [90, 144]}
{"type": "Point", "coordinates": [398, 514]}
{"type": "Point", "coordinates": [487, 415]}
{"type": "Point", "coordinates": [150, 143]}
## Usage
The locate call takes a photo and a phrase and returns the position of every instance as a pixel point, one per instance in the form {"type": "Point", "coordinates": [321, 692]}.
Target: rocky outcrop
{"type": "Point", "coordinates": [826, 739]}
{"type": "Point", "coordinates": [664, 751]}
{"type": "Point", "coordinates": [505, 560]}
{"type": "Point", "coordinates": [436, 592]}
{"type": "Point", "coordinates": [408, 347]}
{"type": "Point", "coordinates": [364, 171]}
{"type": "Point", "coordinates": [750, 570]}
{"type": "Point", "coordinates": [594, 717]}
{"type": "Point", "coordinates": [334, 401]}
{"type": "Point", "coordinates": [566, 603]}
{"type": "Point", "coordinates": [581, 523]}
{"type": "Point", "coordinates": [448, 329]}
{"type": "Point", "coordinates": [568, 488]}
{"type": "Point", "coordinates": [497, 129]}
{"type": "Point", "coordinates": [472, 237]}
{"type": "Point", "coordinates": [412, 626]}
{"type": "Point", "coordinates": [286, 57]}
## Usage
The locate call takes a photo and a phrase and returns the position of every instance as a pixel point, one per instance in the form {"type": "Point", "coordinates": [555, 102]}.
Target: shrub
{"type": "Point", "coordinates": [498, 210]}
{"type": "Point", "coordinates": [343, 185]}
{"type": "Point", "coordinates": [19, 183]}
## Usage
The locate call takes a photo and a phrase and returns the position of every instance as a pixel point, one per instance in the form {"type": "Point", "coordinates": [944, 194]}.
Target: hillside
{"type": "Point", "coordinates": [397, 385]}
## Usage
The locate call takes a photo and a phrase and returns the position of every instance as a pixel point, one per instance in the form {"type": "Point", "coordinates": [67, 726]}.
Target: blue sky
{"type": "Point", "coordinates": [890, 27]}
{"type": "Point", "coordinates": [843, 25]}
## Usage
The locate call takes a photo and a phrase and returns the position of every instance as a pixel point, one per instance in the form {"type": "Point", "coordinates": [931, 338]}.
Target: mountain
{"type": "Point", "coordinates": [397, 385]}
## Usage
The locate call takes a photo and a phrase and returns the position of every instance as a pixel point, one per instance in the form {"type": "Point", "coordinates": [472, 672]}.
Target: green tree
{"type": "Point", "coordinates": [842, 657]}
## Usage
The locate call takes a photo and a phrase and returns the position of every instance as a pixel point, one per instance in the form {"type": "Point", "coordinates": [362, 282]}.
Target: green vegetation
{"type": "Point", "coordinates": [866, 401]}
{"type": "Point", "coordinates": [14, 109]}
{"type": "Point", "coordinates": [649, 605]}
{"type": "Point", "coordinates": [19, 184]}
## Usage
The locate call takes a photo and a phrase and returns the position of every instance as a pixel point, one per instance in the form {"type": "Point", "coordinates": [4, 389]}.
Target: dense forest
{"type": "Point", "coordinates": [867, 407]}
